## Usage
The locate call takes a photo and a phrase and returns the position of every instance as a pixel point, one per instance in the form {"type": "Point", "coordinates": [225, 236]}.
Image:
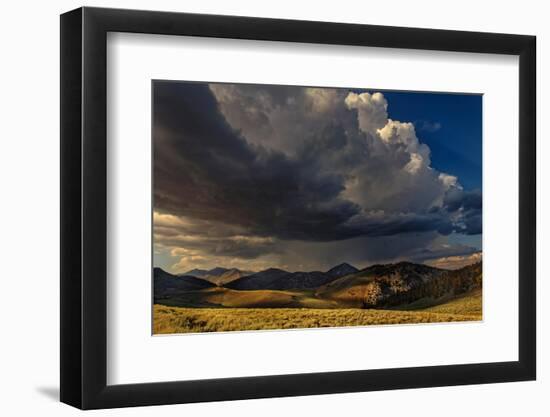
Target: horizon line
{"type": "Point", "coordinates": [327, 270]}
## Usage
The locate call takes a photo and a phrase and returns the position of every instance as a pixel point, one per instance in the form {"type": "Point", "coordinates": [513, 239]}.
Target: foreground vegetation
{"type": "Point", "coordinates": [169, 319]}
{"type": "Point", "coordinates": [470, 304]}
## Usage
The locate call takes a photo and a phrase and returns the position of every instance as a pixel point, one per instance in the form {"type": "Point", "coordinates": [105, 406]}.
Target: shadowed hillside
{"type": "Point", "coordinates": [218, 276]}
{"type": "Point", "coordinates": [277, 279]}
{"type": "Point", "coordinates": [166, 285]}
{"type": "Point", "coordinates": [169, 319]}
{"type": "Point", "coordinates": [258, 281]}
{"type": "Point", "coordinates": [401, 285]}
{"type": "Point", "coordinates": [382, 286]}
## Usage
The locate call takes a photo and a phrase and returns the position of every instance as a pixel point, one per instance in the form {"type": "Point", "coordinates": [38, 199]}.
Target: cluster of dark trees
{"type": "Point", "coordinates": [393, 289]}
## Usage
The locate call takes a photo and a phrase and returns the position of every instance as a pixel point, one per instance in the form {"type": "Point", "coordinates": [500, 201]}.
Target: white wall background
{"type": "Point", "coordinates": [29, 226]}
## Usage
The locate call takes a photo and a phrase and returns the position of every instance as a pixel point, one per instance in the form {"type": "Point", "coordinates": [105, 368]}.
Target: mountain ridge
{"type": "Point", "coordinates": [377, 285]}
{"type": "Point", "coordinates": [165, 283]}
{"type": "Point", "coordinates": [386, 286]}
{"type": "Point", "coordinates": [389, 285]}
{"type": "Point", "coordinates": [217, 275]}
{"type": "Point", "coordinates": [258, 280]}
{"type": "Point", "coordinates": [341, 270]}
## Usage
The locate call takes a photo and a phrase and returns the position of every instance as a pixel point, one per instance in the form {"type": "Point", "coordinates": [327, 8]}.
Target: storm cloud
{"type": "Point", "coordinates": [239, 170]}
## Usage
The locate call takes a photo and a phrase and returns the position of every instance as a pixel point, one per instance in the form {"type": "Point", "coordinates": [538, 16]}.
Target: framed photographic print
{"type": "Point", "coordinates": [341, 207]}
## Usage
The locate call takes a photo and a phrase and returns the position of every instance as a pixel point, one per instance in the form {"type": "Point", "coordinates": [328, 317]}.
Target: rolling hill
{"type": "Point", "coordinates": [342, 270]}
{"type": "Point", "coordinates": [403, 285]}
{"type": "Point", "coordinates": [278, 279]}
{"type": "Point", "coordinates": [218, 276]}
{"type": "Point", "coordinates": [166, 284]}
{"type": "Point", "coordinates": [300, 281]}
{"type": "Point", "coordinates": [381, 294]}
{"type": "Point", "coordinates": [198, 273]}
{"type": "Point", "coordinates": [386, 286]}
{"type": "Point", "coordinates": [258, 281]}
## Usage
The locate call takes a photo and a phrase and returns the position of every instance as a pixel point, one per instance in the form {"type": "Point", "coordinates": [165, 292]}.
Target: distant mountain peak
{"type": "Point", "coordinates": [260, 279]}
{"type": "Point", "coordinates": [272, 270]}
{"type": "Point", "coordinates": [196, 272]}
{"type": "Point", "coordinates": [341, 270]}
{"type": "Point", "coordinates": [200, 273]}
{"type": "Point", "coordinates": [343, 265]}
{"type": "Point", "coordinates": [166, 283]}
{"type": "Point", "coordinates": [217, 271]}
{"type": "Point", "coordinates": [218, 275]}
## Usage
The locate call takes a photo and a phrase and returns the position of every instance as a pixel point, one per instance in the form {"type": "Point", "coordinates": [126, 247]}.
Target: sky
{"type": "Point", "coordinates": [301, 178]}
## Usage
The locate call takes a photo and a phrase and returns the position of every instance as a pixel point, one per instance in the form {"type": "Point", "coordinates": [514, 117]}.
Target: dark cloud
{"type": "Point", "coordinates": [469, 204]}
{"type": "Point", "coordinates": [237, 247]}
{"type": "Point", "coordinates": [207, 170]}
{"type": "Point", "coordinates": [429, 253]}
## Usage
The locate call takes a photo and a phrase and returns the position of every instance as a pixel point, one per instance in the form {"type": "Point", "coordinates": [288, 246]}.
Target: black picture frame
{"type": "Point", "coordinates": [84, 207]}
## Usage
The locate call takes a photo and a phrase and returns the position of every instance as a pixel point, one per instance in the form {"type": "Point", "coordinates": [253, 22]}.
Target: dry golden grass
{"type": "Point", "coordinates": [225, 297]}
{"type": "Point", "coordinates": [469, 304]}
{"type": "Point", "coordinates": [168, 320]}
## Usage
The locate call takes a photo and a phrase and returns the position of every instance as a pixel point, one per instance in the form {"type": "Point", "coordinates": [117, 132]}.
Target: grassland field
{"type": "Point", "coordinates": [233, 317]}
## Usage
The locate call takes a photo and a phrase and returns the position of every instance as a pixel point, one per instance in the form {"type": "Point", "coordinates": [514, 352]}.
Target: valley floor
{"type": "Point", "coordinates": [168, 319]}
